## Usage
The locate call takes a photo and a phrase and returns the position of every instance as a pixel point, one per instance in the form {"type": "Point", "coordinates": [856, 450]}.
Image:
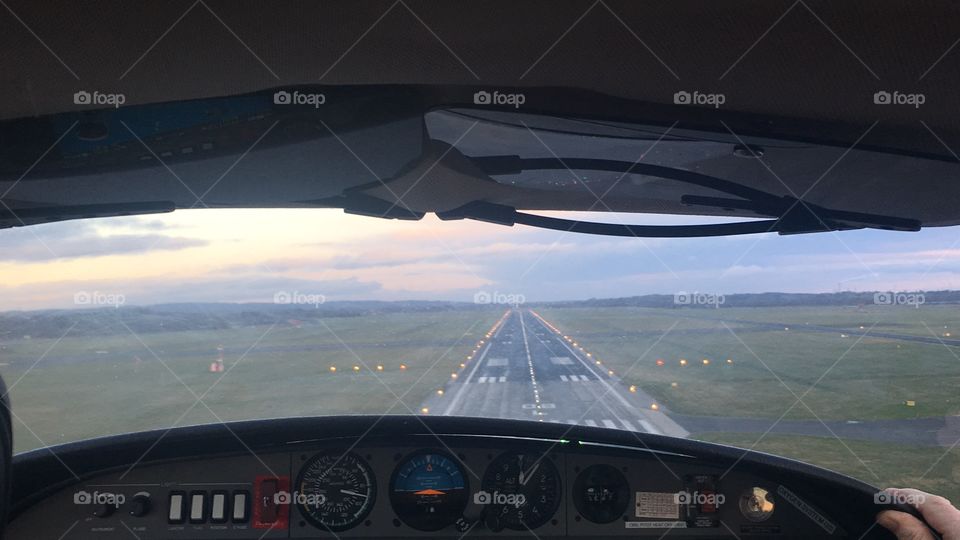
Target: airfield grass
{"type": "Point", "coordinates": [935, 470]}
{"type": "Point", "coordinates": [838, 375]}
{"type": "Point", "coordinates": [87, 386]}
{"type": "Point", "coordinates": [65, 390]}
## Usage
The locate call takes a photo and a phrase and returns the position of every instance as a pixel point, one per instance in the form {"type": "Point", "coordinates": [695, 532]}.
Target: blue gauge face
{"type": "Point", "coordinates": [428, 491]}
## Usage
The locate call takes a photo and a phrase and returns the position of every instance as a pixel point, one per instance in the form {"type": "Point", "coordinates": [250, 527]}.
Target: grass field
{"type": "Point", "coordinates": [881, 464]}
{"type": "Point", "coordinates": [838, 375]}
{"type": "Point", "coordinates": [74, 392]}
{"type": "Point", "coordinates": [83, 387]}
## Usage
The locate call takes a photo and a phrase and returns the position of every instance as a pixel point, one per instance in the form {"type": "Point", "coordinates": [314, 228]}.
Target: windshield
{"type": "Point", "coordinates": [838, 349]}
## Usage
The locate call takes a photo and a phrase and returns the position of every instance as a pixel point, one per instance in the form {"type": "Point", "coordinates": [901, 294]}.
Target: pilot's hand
{"type": "Point", "coordinates": [939, 513]}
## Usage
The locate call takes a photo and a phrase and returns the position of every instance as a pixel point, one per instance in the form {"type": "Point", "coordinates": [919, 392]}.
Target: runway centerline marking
{"type": "Point", "coordinates": [533, 375]}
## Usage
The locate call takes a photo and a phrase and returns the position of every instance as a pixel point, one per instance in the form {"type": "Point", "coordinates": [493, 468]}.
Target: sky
{"type": "Point", "coordinates": [254, 255]}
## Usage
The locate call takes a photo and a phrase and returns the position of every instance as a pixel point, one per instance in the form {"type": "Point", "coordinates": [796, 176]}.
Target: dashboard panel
{"type": "Point", "coordinates": [413, 477]}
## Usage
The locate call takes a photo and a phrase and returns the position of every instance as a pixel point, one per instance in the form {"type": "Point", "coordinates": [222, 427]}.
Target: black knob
{"type": "Point", "coordinates": [140, 505]}
{"type": "Point", "coordinates": [103, 510]}
{"type": "Point", "coordinates": [493, 522]}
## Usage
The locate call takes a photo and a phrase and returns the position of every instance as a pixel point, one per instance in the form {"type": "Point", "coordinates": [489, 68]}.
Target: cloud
{"type": "Point", "coordinates": [78, 239]}
{"type": "Point", "coordinates": [248, 256]}
{"type": "Point", "coordinates": [744, 270]}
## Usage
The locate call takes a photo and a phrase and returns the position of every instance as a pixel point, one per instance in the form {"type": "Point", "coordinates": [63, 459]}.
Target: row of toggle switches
{"type": "Point", "coordinates": [213, 507]}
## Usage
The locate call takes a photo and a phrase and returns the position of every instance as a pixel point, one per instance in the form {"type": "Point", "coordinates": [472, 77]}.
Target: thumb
{"type": "Point", "coordinates": [904, 526]}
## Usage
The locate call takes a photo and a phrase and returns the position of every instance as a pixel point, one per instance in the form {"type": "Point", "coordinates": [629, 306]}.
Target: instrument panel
{"type": "Point", "coordinates": [433, 486]}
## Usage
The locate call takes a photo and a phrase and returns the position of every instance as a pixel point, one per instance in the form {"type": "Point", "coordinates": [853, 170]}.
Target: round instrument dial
{"type": "Point", "coordinates": [521, 491]}
{"type": "Point", "coordinates": [428, 491]}
{"type": "Point", "coordinates": [335, 491]}
{"type": "Point", "coordinates": [756, 504]}
{"type": "Point", "coordinates": [601, 493]}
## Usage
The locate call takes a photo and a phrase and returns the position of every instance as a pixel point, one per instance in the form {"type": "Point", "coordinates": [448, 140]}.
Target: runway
{"type": "Point", "coordinates": [528, 370]}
